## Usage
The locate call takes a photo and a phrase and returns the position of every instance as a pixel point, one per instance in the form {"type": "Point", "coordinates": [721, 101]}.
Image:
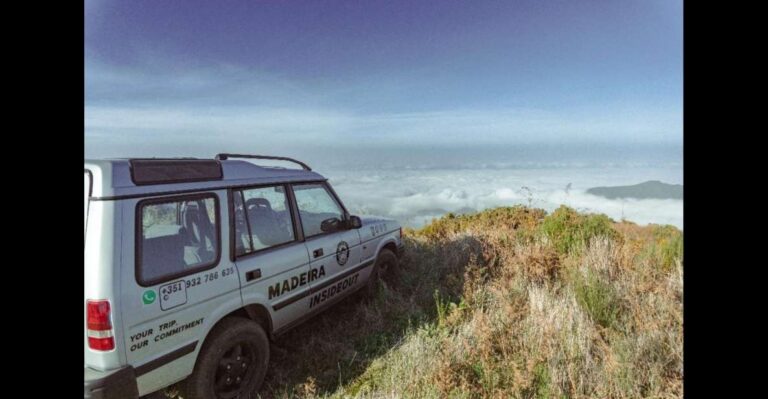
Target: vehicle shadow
{"type": "Point", "coordinates": [335, 347]}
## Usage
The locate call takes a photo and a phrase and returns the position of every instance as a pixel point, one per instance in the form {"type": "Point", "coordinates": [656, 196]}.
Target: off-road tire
{"type": "Point", "coordinates": [368, 292]}
{"type": "Point", "coordinates": [388, 266]}
{"type": "Point", "coordinates": [221, 349]}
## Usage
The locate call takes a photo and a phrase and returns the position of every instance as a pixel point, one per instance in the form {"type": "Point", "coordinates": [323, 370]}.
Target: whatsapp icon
{"type": "Point", "coordinates": [148, 297]}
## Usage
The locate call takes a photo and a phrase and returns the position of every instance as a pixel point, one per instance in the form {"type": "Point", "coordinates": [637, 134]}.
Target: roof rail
{"type": "Point", "coordinates": [224, 157]}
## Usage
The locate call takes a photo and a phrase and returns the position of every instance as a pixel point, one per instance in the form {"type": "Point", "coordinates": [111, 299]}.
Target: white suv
{"type": "Point", "coordinates": [192, 265]}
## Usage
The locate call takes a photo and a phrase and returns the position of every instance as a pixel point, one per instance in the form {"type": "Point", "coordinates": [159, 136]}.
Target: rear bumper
{"type": "Point", "coordinates": [112, 384]}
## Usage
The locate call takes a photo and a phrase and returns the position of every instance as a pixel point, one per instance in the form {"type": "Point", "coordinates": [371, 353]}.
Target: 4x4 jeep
{"type": "Point", "coordinates": [193, 265]}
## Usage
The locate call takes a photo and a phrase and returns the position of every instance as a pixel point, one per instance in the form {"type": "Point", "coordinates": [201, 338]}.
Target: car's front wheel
{"type": "Point", "coordinates": [232, 363]}
{"type": "Point", "coordinates": [387, 266]}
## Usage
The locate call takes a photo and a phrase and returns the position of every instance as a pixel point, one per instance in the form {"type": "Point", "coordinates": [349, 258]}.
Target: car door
{"type": "Point", "coordinates": [334, 251]}
{"type": "Point", "coordinates": [271, 258]}
{"type": "Point", "coordinates": [174, 280]}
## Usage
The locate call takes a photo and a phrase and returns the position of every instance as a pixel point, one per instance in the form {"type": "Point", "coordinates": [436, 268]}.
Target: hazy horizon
{"type": "Point", "coordinates": [417, 184]}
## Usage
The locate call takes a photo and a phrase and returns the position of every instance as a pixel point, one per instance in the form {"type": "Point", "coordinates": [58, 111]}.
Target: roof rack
{"type": "Point", "coordinates": [224, 157]}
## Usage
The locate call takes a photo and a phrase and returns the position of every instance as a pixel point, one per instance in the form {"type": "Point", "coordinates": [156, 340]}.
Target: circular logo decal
{"type": "Point", "coordinates": [342, 253]}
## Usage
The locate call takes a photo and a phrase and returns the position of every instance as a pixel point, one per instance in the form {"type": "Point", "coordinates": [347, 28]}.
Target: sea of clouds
{"type": "Point", "coordinates": [415, 184]}
{"type": "Point", "coordinates": [416, 196]}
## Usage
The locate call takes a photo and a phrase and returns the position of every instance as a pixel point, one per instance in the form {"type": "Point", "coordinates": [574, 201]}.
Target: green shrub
{"type": "Point", "coordinates": [597, 297]}
{"type": "Point", "coordinates": [569, 230]}
{"type": "Point", "coordinates": [663, 248]}
{"type": "Point", "coordinates": [541, 382]}
{"type": "Point", "coordinates": [669, 241]}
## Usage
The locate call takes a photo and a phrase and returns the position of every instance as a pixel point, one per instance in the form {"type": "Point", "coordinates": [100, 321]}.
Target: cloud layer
{"type": "Point", "coordinates": [416, 197]}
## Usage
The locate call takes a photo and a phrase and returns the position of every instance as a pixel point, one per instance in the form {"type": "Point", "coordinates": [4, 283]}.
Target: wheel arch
{"type": "Point", "coordinates": [259, 313]}
{"type": "Point", "coordinates": [389, 244]}
{"type": "Point", "coordinates": [254, 311]}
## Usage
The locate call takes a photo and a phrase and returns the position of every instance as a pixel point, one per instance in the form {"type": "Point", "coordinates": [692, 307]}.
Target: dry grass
{"type": "Point", "coordinates": [509, 302]}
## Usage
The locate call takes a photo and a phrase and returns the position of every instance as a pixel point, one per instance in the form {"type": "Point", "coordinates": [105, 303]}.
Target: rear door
{"type": "Point", "coordinates": [175, 279]}
{"type": "Point", "coordinates": [334, 253]}
{"type": "Point", "coordinates": [271, 258]}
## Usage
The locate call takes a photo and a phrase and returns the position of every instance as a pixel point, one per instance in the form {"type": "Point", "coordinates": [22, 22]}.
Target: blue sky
{"type": "Point", "coordinates": [197, 77]}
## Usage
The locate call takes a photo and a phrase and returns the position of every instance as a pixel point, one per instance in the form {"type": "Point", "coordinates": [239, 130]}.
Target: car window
{"type": "Point", "coordinates": [262, 219]}
{"type": "Point", "coordinates": [178, 237]}
{"type": "Point", "coordinates": [315, 204]}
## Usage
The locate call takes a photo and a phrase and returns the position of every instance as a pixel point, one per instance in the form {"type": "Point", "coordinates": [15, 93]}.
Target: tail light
{"type": "Point", "coordinates": [99, 325]}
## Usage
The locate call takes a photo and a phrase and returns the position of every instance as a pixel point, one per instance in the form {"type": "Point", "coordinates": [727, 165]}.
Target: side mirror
{"type": "Point", "coordinates": [354, 222]}
{"type": "Point", "coordinates": [330, 224]}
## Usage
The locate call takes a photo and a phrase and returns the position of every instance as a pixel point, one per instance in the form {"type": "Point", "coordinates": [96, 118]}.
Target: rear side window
{"type": "Point", "coordinates": [262, 219]}
{"type": "Point", "coordinates": [176, 237]}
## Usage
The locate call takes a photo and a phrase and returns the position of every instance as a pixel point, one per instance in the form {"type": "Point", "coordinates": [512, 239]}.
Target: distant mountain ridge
{"type": "Point", "coordinates": [652, 189]}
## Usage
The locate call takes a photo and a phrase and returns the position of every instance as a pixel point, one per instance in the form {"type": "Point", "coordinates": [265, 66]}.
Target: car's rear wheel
{"type": "Point", "coordinates": [232, 363]}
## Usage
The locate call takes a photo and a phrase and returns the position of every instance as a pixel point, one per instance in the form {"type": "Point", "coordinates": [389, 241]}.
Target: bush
{"type": "Point", "coordinates": [597, 297]}
{"type": "Point", "coordinates": [569, 230]}
{"type": "Point", "coordinates": [669, 242]}
{"type": "Point", "coordinates": [517, 218]}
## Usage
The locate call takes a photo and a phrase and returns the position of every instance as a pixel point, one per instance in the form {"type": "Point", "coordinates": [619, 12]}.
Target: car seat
{"type": "Point", "coordinates": [265, 223]}
{"type": "Point", "coordinates": [199, 244]}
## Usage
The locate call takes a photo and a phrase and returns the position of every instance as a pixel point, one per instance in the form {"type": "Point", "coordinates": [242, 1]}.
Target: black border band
{"type": "Point", "coordinates": [165, 359]}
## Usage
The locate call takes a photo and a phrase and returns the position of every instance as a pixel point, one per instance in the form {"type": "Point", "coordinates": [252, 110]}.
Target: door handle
{"type": "Point", "coordinates": [317, 252]}
{"type": "Point", "coordinates": [252, 275]}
